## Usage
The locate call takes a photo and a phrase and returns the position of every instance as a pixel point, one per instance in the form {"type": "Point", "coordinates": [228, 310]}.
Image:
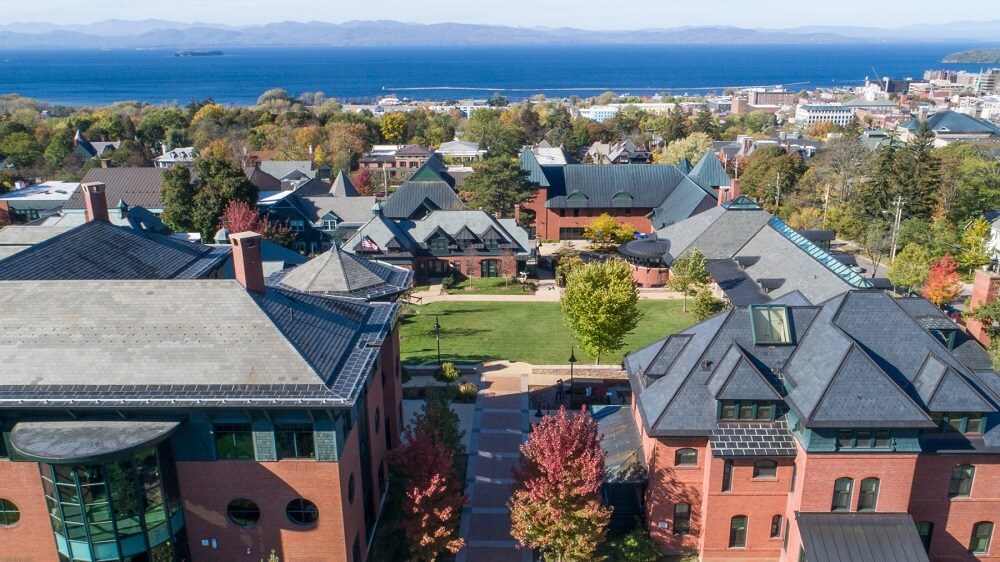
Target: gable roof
{"type": "Point", "coordinates": [350, 210]}
{"type": "Point", "coordinates": [195, 342]}
{"type": "Point", "coordinates": [950, 122]}
{"type": "Point", "coordinates": [709, 172]}
{"type": "Point", "coordinates": [136, 186]}
{"type": "Point", "coordinates": [411, 235]}
{"type": "Point", "coordinates": [413, 195]}
{"type": "Point", "coordinates": [342, 186]}
{"type": "Point", "coordinates": [262, 180]}
{"type": "Point", "coordinates": [98, 250]}
{"type": "Point", "coordinates": [288, 169]}
{"type": "Point", "coordinates": [649, 185]}
{"type": "Point", "coordinates": [341, 273]}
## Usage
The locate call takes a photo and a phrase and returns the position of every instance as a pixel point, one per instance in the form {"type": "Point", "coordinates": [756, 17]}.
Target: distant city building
{"type": "Point", "coordinates": [28, 203]}
{"type": "Point", "coordinates": [810, 114]}
{"type": "Point", "coordinates": [175, 157]}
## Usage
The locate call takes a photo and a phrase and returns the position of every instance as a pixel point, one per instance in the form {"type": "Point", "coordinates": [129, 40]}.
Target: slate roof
{"type": "Point", "coordinates": [261, 179]}
{"type": "Point", "coordinates": [770, 254]}
{"type": "Point", "coordinates": [136, 186]}
{"type": "Point", "coordinates": [288, 169]}
{"type": "Point", "coordinates": [739, 288]}
{"type": "Point", "coordinates": [351, 210]}
{"type": "Point", "coordinates": [413, 196]}
{"type": "Point", "coordinates": [644, 186]}
{"type": "Point", "coordinates": [193, 342]}
{"type": "Point", "coordinates": [851, 537]}
{"type": "Point", "coordinates": [858, 360]}
{"type": "Point", "coordinates": [950, 122]}
{"type": "Point", "coordinates": [709, 172]}
{"type": "Point", "coordinates": [342, 186]}
{"type": "Point", "coordinates": [22, 235]}
{"type": "Point", "coordinates": [620, 439]}
{"type": "Point", "coordinates": [410, 236]}
{"type": "Point", "coordinates": [98, 250]}
{"type": "Point", "coordinates": [336, 272]}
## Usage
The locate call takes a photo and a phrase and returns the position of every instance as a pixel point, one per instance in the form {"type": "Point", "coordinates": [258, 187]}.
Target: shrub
{"type": "Point", "coordinates": [448, 372]}
{"type": "Point", "coordinates": [466, 392]}
{"type": "Point", "coordinates": [636, 547]}
{"type": "Point", "coordinates": [447, 283]}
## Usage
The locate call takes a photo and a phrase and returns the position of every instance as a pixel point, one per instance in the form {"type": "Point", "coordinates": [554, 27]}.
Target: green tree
{"type": "Point", "coordinates": [497, 184]}
{"type": "Point", "coordinates": [605, 231]}
{"type": "Point", "coordinates": [770, 167]}
{"type": "Point", "coordinates": [221, 182]}
{"type": "Point", "coordinates": [676, 126]}
{"type": "Point", "coordinates": [442, 421]}
{"type": "Point", "coordinates": [178, 194]}
{"type": "Point", "coordinates": [705, 305]}
{"type": "Point", "coordinates": [909, 269]}
{"type": "Point", "coordinates": [637, 546]}
{"type": "Point", "coordinates": [704, 122]}
{"type": "Point", "coordinates": [157, 122]}
{"type": "Point", "coordinates": [876, 196]}
{"type": "Point", "coordinates": [692, 147]}
{"type": "Point", "coordinates": [21, 149]}
{"type": "Point", "coordinates": [393, 127]}
{"type": "Point", "coordinates": [976, 244]}
{"type": "Point", "coordinates": [60, 147]}
{"type": "Point", "coordinates": [600, 305]}
{"type": "Point", "coordinates": [920, 172]}
{"type": "Point", "coordinates": [688, 274]}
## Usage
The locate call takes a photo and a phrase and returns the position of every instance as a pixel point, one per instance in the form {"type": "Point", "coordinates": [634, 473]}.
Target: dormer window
{"type": "Point", "coordinates": [438, 244]}
{"type": "Point", "coordinates": [968, 423]}
{"type": "Point", "coordinates": [746, 410]}
{"type": "Point", "coordinates": [770, 325]}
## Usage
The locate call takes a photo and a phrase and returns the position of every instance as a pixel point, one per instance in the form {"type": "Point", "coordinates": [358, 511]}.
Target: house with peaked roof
{"type": "Point", "coordinates": [621, 152]}
{"type": "Point", "coordinates": [570, 196]}
{"type": "Point", "coordinates": [863, 427]}
{"type": "Point", "coordinates": [93, 150]}
{"type": "Point", "coordinates": [752, 255]}
{"type": "Point", "coordinates": [460, 151]}
{"type": "Point", "coordinates": [430, 188]}
{"type": "Point", "coordinates": [444, 243]}
{"type": "Point", "coordinates": [124, 188]}
{"type": "Point", "coordinates": [258, 415]}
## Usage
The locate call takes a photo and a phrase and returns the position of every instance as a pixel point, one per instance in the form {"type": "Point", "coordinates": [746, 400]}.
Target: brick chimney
{"type": "Point", "coordinates": [247, 262]}
{"type": "Point", "coordinates": [517, 213]}
{"type": "Point", "coordinates": [734, 189]}
{"type": "Point", "coordinates": [984, 290]}
{"type": "Point", "coordinates": [97, 202]}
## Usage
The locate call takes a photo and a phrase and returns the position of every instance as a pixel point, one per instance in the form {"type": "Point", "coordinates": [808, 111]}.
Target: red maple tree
{"type": "Point", "coordinates": [240, 216]}
{"type": "Point", "coordinates": [363, 181]}
{"type": "Point", "coordinates": [434, 495]}
{"type": "Point", "coordinates": [943, 284]}
{"type": "Point", "coordinates": [556, 502]}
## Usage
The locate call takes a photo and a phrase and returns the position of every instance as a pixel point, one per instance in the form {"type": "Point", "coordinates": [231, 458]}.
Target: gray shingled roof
{"type": "Point", "coordinates": [709, 172]}
{"type": "Point", "coordinates": [590, 186]}
{"type": "Point", "coordinates": [413, 195]}
{"type": "Point", "coordinates": [950, 122]}
{"type": "Point", "coordinates": [138, 187]}
{"type": "Point", "coordinates": [341, 273]}
{"type": "Point", "coordinates": [22, 235]}
{"type": "Point", "coordinates": [852, 537]}
{"type": "Point", "coordinates": [196, 342]}
{"type": "Point", "coordinates": [351, 210]}
{"type": "Point", "coordinates": [98, 250]}
{"type": "Point", "coordinates": [858, 360]}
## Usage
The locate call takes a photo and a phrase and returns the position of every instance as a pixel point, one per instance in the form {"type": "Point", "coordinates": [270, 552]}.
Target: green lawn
{"type": "Point", "coordinates": [489, 286]}
{"type": "Point", "coordinates": [518, 331]}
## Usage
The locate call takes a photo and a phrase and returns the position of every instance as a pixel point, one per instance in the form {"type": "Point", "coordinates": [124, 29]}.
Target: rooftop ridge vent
{"type": "Point", "coordinates": [819, 254]}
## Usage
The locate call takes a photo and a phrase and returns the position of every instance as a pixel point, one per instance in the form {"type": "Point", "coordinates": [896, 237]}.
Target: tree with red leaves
{"type": "Point", "coordinates": [556, 502]}
{"type": "Point", "coordinates": [434, 494]}
{"type": "Point", "coordinates": [943, 284]}
{"type": "Point", "coordinates": [363, 181]}
{"type": "Point", "coordinates": [240, 216]}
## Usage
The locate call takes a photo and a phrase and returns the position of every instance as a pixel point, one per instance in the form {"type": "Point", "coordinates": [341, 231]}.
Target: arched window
{"type": "Point", "coordinates": [302, 512]}
{"type": "Point", "coordinates": [243, 512]}
{"type": "Point", "coordinates": [842, 490]}
{"type": "Point", "coordinates": [682, 518]}
{"type": "Point", "coordinates": [961, 481]}
{"type": "Point", "coordinates": [982, 532]}
{"type": "Point", "coordinates": [776, 527]}
{"type": "Point", "coordinates": [686, 457]}
{"type": "Point", "coordinates": [765, 469]}
{"type": "Point", "coordinates": [9, 514]}
{"type": "Point", "coordinates": [868, 496]}
{"type": "Point", "coordinates": [925, 529]}
{"type": "Point", "coordinates": [738, 531]}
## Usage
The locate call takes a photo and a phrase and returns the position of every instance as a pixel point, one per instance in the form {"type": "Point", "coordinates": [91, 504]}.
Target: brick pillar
{"type": "Point", "coordinates": [984, 290]}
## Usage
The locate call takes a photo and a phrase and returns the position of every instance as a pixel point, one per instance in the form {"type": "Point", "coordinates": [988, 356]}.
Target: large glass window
{"type": "Point", "coordinates": [295, 441]}
{"type": "Point", "coordinates": [842, 490]}
{"type": "Point", "coordinates": [233, 441]}
{"type": "Point", "coordinates": [982, 532]}
{"type": "Point", "coordinates": [765, 469]}
{"type": "Point", "coordinates": [686, 457]}
{"type": "Point", "coordinates": [738, 531]}
{"type": "Point", "coordinates": [9, 514]}
{"type": "Point", "coordinates": [746, 410]}
{"type": "Point", "coordinates": [302, 512]}
{"type": "Point", "coordinates": [961, 481]}
{"type": "Point", "coordinates": [243, 512]}
{"type": "Point", "coordinates": [682, 518]}
{"type": "Point", "coordinates": [868, 495]}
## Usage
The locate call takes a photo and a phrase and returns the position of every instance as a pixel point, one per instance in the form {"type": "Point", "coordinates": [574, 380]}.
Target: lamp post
{"type": "Point", "coordinates": [437, 336]}
{"type": "Point", "coordinates": [548, 409]}
{"type": "Point", "coordinates": [572, 360]}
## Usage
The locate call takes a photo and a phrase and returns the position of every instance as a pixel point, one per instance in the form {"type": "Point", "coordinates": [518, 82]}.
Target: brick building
{"type": "Point", "coordinates": [150, 413]}
{"type": "Point", "coordinates": [645, 196]}
{"type": "Point", "coordinates": [861, 428]}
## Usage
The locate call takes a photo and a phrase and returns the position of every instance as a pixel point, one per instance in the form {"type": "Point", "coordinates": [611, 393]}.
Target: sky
{"type": "Point", "coordinates": [586, 14]}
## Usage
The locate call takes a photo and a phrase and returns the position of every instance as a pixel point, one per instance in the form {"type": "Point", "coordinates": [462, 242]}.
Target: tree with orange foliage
{"type": "Point", "coordinates": [240, 216]}
{"type": "Point", "coordinates": [556, 503]}
{"type": "Point", "coordinates": [434, 494]}
{"type": "Point", "coordinates": [943, 283]}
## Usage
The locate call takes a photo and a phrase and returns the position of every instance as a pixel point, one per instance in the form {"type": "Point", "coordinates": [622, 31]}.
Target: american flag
{"type": "Point", "coordinates": [368, 245]}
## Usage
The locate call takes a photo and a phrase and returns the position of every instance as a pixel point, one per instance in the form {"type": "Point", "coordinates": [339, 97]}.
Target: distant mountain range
{"type": "Point", "coordinates": [174, 35]}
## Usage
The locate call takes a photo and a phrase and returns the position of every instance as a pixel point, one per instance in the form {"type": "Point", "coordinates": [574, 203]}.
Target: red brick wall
{"type": "Point", "coordinates": [669, 485]}
{"type": "Point", "coordinates": [984, 290]}
{"type": "Point", "coordinates": [895, 474]}
{"type": "Point", "coordinates": [548, 222]}
{"type": "Point", "coordinates": [393, 390]}
{"type": "Point", "coordinates": [953, 518]}
{"type": "Point", "coordinates": [376, 435]}
{"type": "Point", "coordinates": [649, 276]}
{"type": "Point", "coordinates": [30, 539]}
{"type": "Point", "coordinates": [208, 487]}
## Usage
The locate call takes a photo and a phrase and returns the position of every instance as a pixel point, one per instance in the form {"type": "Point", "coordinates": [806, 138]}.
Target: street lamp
{"type": "Point", "coordinates": [437, 336]}
{"type": "Point", "coordinates": [572, 359]}
{"type": "Point", "coordinates": [548, 409]}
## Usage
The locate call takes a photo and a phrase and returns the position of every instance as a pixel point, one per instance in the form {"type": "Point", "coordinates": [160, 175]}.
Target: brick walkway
{"type": "Point", "coordinates": [499, 426]}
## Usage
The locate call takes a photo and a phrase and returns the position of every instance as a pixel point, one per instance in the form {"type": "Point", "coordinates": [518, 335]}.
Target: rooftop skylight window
{"type": "Point", "coordinates": [770, 325]}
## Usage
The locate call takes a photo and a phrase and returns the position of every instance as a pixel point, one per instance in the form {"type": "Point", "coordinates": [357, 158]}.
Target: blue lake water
{"type": "Point", "coordinates": [82, 77]}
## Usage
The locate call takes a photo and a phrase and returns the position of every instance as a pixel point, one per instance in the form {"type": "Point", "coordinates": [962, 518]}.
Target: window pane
{"type": "Point", "coordinates": [925, 529]}
{"type": "Point", "coordinates": [234, 441]}
{"type": "Point", "coordinates": [845, 438]}
{"type": "Point", "coordinates": [686, 457]}
{"type": "Point", "coordinates": [863, 438]}
{"type": "Point", "coordinates": [955, 421]}
{"type": "Point", "coordinates": [961, 481]}
{"type": "Point", "coordinates": [976, 422]}
{"type": "Point", "coordinates": [728, 410]}
{"type": "Point", "coordinates": [981, 535]}
{"type": "Point", "coordinates": [765, 469]}
{"type": "Point", "coordinates": [682, 519]}
{"type": "Point", "coordinates": [764, 412]}
{"type": "Point", "coordinates": [775, 526]}
{"type": "Point", "coordinates": [738, 532]}
{"type": "Point", "coordinates": [302, 512]}
{"type": "Point", "coordinates": [9, 514]}
{"type": "Point", "coordinates": [727, 475]}
{"type": "Point", "coordinates": [882, 438]}
{"type": "Point", "coordinates": [295, 441]}
{"type": "Point", "coordinates": [842, 489]}
{"type": "Point", "coordinates": [868, 497]}
{"type": "Point", "coordinates": [746, 411]}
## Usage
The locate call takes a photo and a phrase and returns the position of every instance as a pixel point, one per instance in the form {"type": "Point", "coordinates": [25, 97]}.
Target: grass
{"type": "Point", "coordinates": [490, 286]}
{"type": "Point", "coordinates": [472, 332]}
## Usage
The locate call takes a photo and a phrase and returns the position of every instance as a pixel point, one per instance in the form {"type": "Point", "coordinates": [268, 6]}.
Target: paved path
{"type": "Point", "coordinates": [500, 424]}
{"type": "Point", "coordinates": [545, 293]}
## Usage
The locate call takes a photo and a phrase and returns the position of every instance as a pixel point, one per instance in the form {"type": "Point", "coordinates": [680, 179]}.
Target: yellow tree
{"type": "Point", "coordinates": [393, 127]}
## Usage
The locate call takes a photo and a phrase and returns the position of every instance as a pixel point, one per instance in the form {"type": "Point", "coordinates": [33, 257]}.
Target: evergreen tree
{"type": "Point", "coordinates": [497, 184]}
{"type": "Point", "coordinates": [919, 171]}
{"type": "Point", "coordinates": [676, 125]}
{"type": "Point", "coordinates": [879, 193]}
{"type": "Point", "coordinates": [177, 194]}
{"type": "Point", "coordinates": [221, 182]}
{"type": "Point", "coordinates": [704, 122]}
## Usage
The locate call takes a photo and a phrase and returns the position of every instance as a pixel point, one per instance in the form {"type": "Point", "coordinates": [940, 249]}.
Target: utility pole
{"type": "Point", "coordinates": [895, 227]}
{"type": "Point", "coordinates": [777, 186]}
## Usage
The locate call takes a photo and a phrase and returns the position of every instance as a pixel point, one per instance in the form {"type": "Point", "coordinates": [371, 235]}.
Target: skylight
{"type": "Point", "coordinates": [770, 325]}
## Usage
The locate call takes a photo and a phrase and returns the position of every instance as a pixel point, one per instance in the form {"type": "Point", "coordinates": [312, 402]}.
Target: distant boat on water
{"type": "Point", "coordinates": [186, 53]}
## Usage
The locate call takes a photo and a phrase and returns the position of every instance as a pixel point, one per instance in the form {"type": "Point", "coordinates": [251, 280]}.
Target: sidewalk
{"type": "Point", "coordinates": [500, 424]}
{"type": "Point", "coordinates": [547, 292]}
